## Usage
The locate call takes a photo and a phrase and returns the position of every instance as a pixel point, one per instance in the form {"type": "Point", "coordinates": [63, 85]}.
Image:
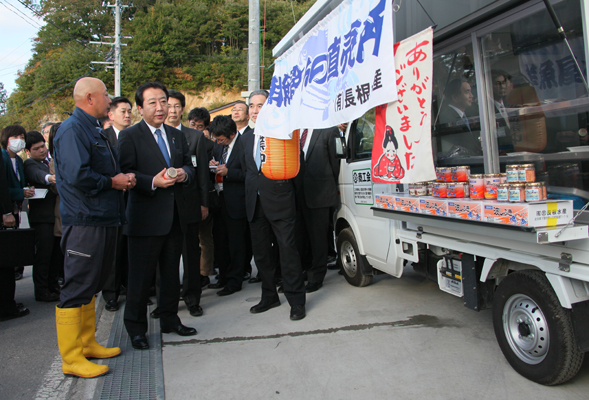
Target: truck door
{"type": "Point", "coordinates": [358, 190]}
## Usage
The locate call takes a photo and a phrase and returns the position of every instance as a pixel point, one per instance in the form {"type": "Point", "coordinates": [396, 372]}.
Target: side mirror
{"type": "Point", "coordinates": [340, 148]}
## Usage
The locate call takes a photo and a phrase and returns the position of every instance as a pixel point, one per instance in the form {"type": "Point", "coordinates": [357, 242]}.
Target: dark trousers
{"type": "Point", "coordinates": [145, 254]}
{"type": "Point", "coordinates": [314, 225]}
{"type": "Point", "coordinates": [89, 254]}
{"type": "Point", "coordinates": [221, 247]}
{"type": "Point", "coordinates": [7, 290]}
{"type": "Point", "coordinates": [43, 276]}
{"type": "Point", "coordinates": [191, 289]}
{"type": "Point", "coordinates": [119, 272]}
{"type": "Point", "coordinates": [207, 245]}
{"type": "Point", "coordinates": [292, 274]}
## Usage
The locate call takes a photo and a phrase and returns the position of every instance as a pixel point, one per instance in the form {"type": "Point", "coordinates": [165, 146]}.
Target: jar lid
{"type": "Point", "coordinates": [476, 176]}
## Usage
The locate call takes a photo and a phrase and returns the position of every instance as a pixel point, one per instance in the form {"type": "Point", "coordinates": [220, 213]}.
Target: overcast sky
{"type": "Point", "coordinates": [18, 27]}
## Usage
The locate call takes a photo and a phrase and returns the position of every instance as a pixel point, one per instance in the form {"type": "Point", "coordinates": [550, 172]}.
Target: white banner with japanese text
{"type": "Point", "coordinates": [402, 149]}
{"type": "Point", "coordinates": [335, 73]}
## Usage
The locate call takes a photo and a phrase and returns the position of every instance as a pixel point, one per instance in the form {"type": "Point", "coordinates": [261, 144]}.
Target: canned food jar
{"type": "Point", "coordinates": [503, 192]}
{"type": "Point", "coordinates": [444, 174]}
{"type": "Point", "coordinates": [477, 186]}
{"type": "Point", "coordinates": [511, 173]}
{"type": "Point", "coordinates": [460, 174]}
{"type": "Point", "coordinates": [420, 188]}
{"type": "Point", "coordinates": [491, 182]}
{"type": "Point", "coordinates": [534, 192]}
{"type": "Point", "coordinates": [526, 173]}
{"type": "Point", "coordinates": [517, 193]}
{"type": "Point", "coordinates": [440, 189]}
{"type": "Point", "coordinates": [457, 189]}
{"type": "Point", "coordinates": [503, 178]}
{"type": "Point", "coordinates": [544, 195]}
{"type": "Point", "coordinates": [430, 188]}
{"type": "Point", "coordinates": [411, 189]}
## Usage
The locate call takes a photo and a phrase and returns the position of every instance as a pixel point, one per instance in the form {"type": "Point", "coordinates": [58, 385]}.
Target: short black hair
{"type": "Point", "coordinates": [178, 96]}
{"type": "Point", "coordinates": [496, 73]}
{"type": "Point", "coordinates": [258, 92]}
{"type": "Point", "coordinates": [148, 85]}
{"type": "Point", "coordinates": [200, 114]}
{"type": "Point", "coordinates": [114, 103]}
{"type": "Point", "coordinates": [11, 131]}
{"type": "Point", "coordinates": [454, 88]}
{"type": "Point", "coordinates": [32, 138]}
{"type": "Point", "coordinates": [52, 133]}
{"type": "Point", "coordinates": [247, 109]}
{"type": "Point", "coordinates": [223, 125]}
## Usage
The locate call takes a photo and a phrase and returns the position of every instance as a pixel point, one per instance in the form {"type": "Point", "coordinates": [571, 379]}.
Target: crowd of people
{"type": "Point", "coordinates": [125, 203]}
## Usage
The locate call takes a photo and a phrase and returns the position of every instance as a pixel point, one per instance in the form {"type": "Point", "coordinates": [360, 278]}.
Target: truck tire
{"type": "Point", "coordinates": [351, 263]}
{"type": "Point", "coordinates": [534, 332]}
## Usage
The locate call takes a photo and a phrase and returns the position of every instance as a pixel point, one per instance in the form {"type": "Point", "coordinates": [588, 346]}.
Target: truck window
{"type": "Point", "coordinates": [362, 136]}
{"type": "Point", "coordinates": [538, 105]}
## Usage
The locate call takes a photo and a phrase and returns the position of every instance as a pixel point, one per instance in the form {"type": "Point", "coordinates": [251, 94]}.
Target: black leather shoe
{"type": "Point", "coordinates": [155, 313]}
{"type": "Point", "coordinates": [20, 311]}
{"type": "Point", "coordinates": [313, 287]}
{"type": "Point", "coordinates": [297, 312]}
{"type": "Point", "coordinates": [255, 279]}
{"type": "Point", "coordinates": [218, 285]}
{"type": "Point", "coordinates": [17, 276]}
{"type": "Point", "coordinates": [264, 306]}
{"type": "Point", "coordinates": [331, 262]}
{"type": "Point", "coordinates": [227, 291]}
{"type": "Point", "coordinates": [180, 330]}
{"type": "Point", "coordinates": [139, 342]}
{"type": "Point", "coordinates": [204, 281]}
{"type": "Point", "coordinates": [46, 296]}
{"type": "Point", "coordinates": [280, 289]}
{"type": "Point", "coordinates": [111, 305]}
{"type": "Point", "coordinates": [247, 276]}
{"type": "Point", "coordinates": [195, 311]}
{"type": "Point", "coordinates": [149, 302]}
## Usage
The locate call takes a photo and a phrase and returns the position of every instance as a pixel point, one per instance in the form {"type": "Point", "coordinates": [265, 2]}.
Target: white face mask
{"type": "Point", "coordinates": [16, 145]}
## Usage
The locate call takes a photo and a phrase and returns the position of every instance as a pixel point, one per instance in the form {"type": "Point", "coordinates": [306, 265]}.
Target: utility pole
{"type": "Point", "coordinates": [253, 50]}
{"type": "Point", "coordinates": [116, 64]}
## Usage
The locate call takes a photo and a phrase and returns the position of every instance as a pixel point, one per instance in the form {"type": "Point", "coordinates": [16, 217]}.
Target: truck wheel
{"type": "Point", "coordinates": [349, 259]}
{"type": "Point", "coordinates": [534, 332]}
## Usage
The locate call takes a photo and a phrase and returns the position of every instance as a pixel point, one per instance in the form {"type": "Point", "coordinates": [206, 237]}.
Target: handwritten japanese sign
{"type": "Point", "coordinates": [335, 73]}
{"type": "Point", "coordinates": [402, 151]}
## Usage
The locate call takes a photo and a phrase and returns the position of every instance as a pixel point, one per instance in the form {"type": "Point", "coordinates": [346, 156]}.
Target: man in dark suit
{"type": "Point", "coordinates": [158, 155]}
{"type": "Point", "coordinates": [195, 202]}
{"type": "Point", "coordinates": [270, 207]}
{"type": "Point", "coordinates": [42, 217]}
{"type": "Point", "coordinates": [502, 86]}
{"type": "Point", "coordinates": [120, 115]}
{"type": "Point", "coordinates": [316, 186]}
{"type": "Point", "coordinates": [233, 234]}
{"type": "Point", "coordinates": [200, 119]}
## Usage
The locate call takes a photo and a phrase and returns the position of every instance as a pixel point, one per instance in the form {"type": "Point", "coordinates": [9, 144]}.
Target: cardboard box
{"type": "Point", "coordinates": [465, 209]}
{"type": "Point", "coordinates": [407, 204]}
{"type": "Point", "coordinates": [537, 214]}
{"type": "Point", "coordinates": [385, 201]}
{"type": "Point", "coordinates": [433, 206]}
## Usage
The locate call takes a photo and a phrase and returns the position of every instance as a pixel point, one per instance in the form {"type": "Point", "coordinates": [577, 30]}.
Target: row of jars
{"type": "Point", "coordinates": [489, 187]}
{"type": "Point", "coordinates": [520, 173]}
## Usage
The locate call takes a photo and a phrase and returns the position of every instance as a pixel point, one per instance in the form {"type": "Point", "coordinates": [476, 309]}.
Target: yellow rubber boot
{"type": "Point", "coordinates": [69, 325]}
{"type": "Point", "coordinates": [91, 348]}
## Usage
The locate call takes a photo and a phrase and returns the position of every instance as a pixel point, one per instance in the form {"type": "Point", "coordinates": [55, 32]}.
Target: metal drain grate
{"type": "Point", "coordinates": [135, 374]}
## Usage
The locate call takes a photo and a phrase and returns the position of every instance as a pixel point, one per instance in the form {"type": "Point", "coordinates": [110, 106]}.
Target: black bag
{"type": "Point", "coordinates": [17, 247]}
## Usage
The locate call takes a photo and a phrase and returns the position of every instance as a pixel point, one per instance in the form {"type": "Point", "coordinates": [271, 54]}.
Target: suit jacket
{"type": "Point", "coordinates": [319, 171]}
{"type": "Point", "coordinates": [460, 135]}
{"type": "Point", "coordinates": [151, 212]}
{"type": "Point", "coordinates": [277, 197]}
{"type": "Point", "coordinates": [234, 181]}
{"type": "Point", "coordinates": [5, 201]}
{"type": "Point", "coordinates": [195, 194]}
{"type": "Point", "coordinates": [111, 136]}
{"type": "Point", "coordinates": [15, 183]}
{"type": "Point", "coordinates": [40, 210]}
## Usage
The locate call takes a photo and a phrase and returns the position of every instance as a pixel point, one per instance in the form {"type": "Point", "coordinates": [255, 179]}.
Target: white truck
{"type": "Point", "coordinates": [536, 280]}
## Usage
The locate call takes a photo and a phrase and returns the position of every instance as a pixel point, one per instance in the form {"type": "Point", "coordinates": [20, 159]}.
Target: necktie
{"type": "Point", "coordinates": [224, 156]}
{"type": "Point", "coordinates": [162, 145]}
{"type": "Point", "coordinates": [465, 119]}
{"type": "Point", "coordinates": [304, 138]}
{"type": "Point", "coordinates": [46, 162]}
{"type": "Point", "coordinates": [258, 157]}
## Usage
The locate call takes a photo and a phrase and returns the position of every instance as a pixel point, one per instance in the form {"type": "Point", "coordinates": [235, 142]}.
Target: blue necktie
{"type": "Point", "coordinates": [258, 159]}
{"type": "Point", "coordinates": [162, 145]}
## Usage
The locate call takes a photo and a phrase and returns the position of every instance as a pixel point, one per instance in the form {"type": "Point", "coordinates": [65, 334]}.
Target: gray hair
{"type": "Point", "coordinates": [259, 92]}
